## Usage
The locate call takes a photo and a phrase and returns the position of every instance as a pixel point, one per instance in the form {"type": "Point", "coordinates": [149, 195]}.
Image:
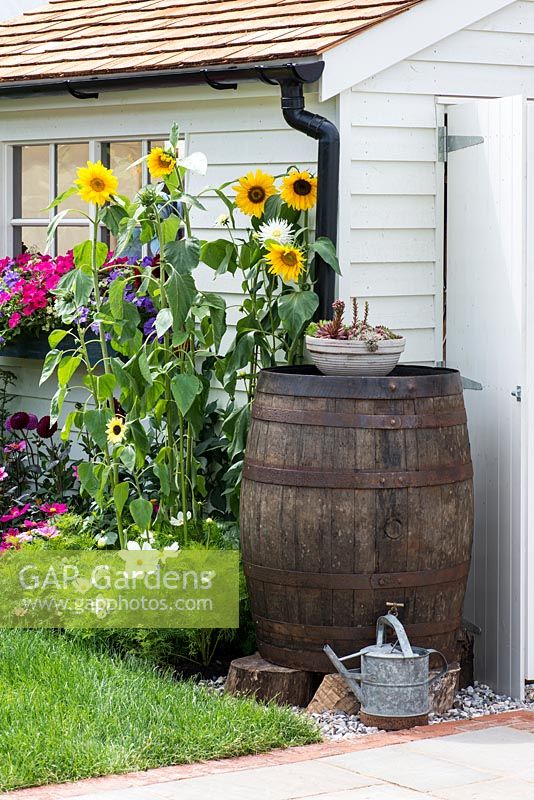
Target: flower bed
{"type": "Point", "coordinates": [158, 461]}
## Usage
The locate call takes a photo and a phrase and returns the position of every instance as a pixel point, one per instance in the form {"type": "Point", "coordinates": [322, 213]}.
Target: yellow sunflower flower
{"type": "Point", "coordinates": [253, 191]}
{"type": "Point", "coordinates": [96, 183]}
{"type": "Point", "coordinates": [116, 430]}
{"type": "Point", "coordinates": [299, 190]}
{"type": "Point", "coordinates": [160, 163]}
{"type": "Point", "coordinates": [285, 261]}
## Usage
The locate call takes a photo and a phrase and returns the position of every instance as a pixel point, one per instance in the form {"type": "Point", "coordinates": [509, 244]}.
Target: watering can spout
{"type": "Point", "coordinates": [350, 676]}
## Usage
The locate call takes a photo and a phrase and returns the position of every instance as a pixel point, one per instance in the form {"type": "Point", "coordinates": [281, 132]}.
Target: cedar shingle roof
{"type": "Point", "coordinates": [73, 38]}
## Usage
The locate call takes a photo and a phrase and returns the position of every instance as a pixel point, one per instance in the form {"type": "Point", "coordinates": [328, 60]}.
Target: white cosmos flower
{"type": "Point", "coordinates": [223, 220]}
{"type": "Point", "coordinates": [136, 546]}
{"type": "Point", "coordinates": [276, 230]}
{"type": "Point", "coordinates": [179, 520]}
{"type": "Point", "coordinates": [196, 162]}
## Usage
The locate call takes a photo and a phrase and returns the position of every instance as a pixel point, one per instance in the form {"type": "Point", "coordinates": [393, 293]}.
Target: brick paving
{"type": "Point", "coordinates": [511, 734]}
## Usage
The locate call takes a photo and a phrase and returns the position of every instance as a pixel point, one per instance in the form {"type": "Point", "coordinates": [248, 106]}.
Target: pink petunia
{"type": "Point", "coordinates": [54, 508]}
{"type": "Point", "coordinates": [3, 474]}
{"type": "Point", "coordinates": [14, 320]}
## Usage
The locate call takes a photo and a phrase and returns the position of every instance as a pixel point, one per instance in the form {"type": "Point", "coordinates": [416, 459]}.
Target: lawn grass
{"type": "Point", "coordinates": [67, 712]}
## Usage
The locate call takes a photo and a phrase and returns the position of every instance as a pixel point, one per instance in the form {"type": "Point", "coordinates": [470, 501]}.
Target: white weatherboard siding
{"type": "Point", "coordinates": [391, 254]}
{"type": "Point", "coordinates": [238, 131]}
{"type": "Point", "coordinates": [394, 193]}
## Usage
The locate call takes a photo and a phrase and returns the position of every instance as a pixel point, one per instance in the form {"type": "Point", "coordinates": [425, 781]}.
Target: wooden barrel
{"type": "Point", "coordinates": [357, 492]}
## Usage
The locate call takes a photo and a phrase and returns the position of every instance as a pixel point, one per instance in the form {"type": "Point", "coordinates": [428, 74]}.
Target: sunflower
{"type": "Point", "coordinates": [299, 190]}
{"type": "Point", "coordinates": [160, 163]}
{"type": "Point", "coordinates": [96, 183]}
{"type": "Point", "coordinates": [253, 191]}
{"type": "Point", "coordinates": [116, 430]}
{"type": "Point", "coordinates": [285, 261]}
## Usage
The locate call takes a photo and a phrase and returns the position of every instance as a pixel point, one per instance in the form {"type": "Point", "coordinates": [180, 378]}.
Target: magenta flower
{"type": "Point", "coordinates": [14, 320]}
{"type": "Point", "coordinates": [15, 513]}
{"type": "Point", "coordinates": [75, 471]}
{"type": "Point", "coordinates": [54, 508]}
{"type": "Point", "coordinates": [3, 474]}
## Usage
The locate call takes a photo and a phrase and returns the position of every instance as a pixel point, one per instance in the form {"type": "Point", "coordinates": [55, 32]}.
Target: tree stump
{"type": "Point", "coordinates": [334, 695]}
{"type": "Point", "coordinates": [253, 676]}
{"type": "Point", "coordinates": [443, 691]}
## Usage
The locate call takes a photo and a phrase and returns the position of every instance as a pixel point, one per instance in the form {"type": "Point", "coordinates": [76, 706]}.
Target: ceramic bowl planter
{"type": "Point", "coordinates": [353, 357]}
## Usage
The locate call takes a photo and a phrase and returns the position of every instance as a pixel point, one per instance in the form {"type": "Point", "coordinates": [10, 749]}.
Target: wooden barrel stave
{"type": "Point", "coordinates": [322, 530]}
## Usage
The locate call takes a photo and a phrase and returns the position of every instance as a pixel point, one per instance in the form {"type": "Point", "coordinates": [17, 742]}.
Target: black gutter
{"type": "Point", "coordinates": [290, 77]}
{"type": "Point", "coordinates": [327, 134]}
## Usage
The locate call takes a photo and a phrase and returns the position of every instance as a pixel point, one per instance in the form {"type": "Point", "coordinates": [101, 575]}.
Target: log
{"type": "Point", "coordinates": [443, 691]}
{"type": "Point", "coordinates": [334, 695]}
{"type": "Point", "coordinates": [255, 677]}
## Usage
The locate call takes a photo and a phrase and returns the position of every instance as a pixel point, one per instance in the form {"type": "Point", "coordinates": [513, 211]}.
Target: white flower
{"type": "Point", "coordinates": [136, 546]}
{"type": "Point", "coordinates": [276, 230]}
{"type": "Point", "coordinates": [179, 520]}
{"type": "Point", "coordinates": [196, 162]}
{"type": "Point", "coordinates": [173, 546]}
{"type": "Point", "coordinates": [222, 220]}
{"type": "Point", "coordinates": [148, 537]}
{"type": "Point", "coordinates": [102, 542]}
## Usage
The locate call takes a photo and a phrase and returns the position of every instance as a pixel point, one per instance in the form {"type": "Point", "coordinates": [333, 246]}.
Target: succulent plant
{"type": "Point", "coordinates": [359, 330]}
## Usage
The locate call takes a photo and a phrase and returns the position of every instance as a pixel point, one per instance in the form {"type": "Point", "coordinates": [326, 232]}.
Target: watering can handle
{"type": "Point", "coordinates": [396, 625]}
{"type": "Point", "coordinates": [443, 671]}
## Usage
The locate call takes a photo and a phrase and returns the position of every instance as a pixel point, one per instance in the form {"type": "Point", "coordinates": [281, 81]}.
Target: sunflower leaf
{"type": "Point", "coordinates": [325, 249]}
{"type": "Point", "coordinates": [296, 310]}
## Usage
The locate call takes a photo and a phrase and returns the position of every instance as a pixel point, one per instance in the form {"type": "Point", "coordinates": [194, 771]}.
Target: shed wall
{"type": "Point", "coordinates": [392, 198]}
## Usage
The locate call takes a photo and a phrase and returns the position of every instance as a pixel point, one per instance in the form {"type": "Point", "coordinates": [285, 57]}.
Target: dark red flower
{"type": "Point", "coordinates": [18, 421]}
{"type": "Point", "coordinates": [44, 429]}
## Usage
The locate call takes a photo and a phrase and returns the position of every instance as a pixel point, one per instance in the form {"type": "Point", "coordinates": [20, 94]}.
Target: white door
{"type": "Point", "coordinates": [486, 334]}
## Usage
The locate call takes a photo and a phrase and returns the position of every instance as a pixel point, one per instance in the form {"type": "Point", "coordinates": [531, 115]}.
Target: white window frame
{"type": "Point", "coordinates": [11, 223]}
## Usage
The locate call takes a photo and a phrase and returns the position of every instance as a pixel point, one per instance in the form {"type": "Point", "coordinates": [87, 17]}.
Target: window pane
{"type": "Point", "coordinates": [35, 181]}
{"type": "Point", "coordinates": [121, 156]}
{"type": "Point", "coordinates": [69, 158]}
{"type": "Point", "coordinates": [68, 238]}
{"type": "Point", "coordinates": [27, 238]}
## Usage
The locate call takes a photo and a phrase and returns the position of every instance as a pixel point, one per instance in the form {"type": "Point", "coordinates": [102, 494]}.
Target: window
{"type": "Point", "coordinates": [42, 171]}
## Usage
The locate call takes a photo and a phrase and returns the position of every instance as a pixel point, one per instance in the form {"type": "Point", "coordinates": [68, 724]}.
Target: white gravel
{"type": "Point", "coordinates": [475, 701]}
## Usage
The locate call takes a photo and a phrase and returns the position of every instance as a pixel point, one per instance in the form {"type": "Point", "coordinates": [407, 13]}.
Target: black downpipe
{"type": "Point", "coordinates": [322, 129]}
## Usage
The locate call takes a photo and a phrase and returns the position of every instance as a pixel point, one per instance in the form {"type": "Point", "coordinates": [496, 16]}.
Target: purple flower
{"type": "Point", "coordinates": [7, 425]}
{"type": "Point", "coordinates": [95, 327]}
{"type": "Point", "coordinates": [83, 315]}
{"type": "Point", "coordinates": [10, 278]}
{"type": "Point", "coordinates": [147, 305]}
{"type": "Point", "coordinates": [149, 327]}
{"type": "Point", "coordinates": [114, 274]}
{"type": "Point", "coordinates": [32, 422]}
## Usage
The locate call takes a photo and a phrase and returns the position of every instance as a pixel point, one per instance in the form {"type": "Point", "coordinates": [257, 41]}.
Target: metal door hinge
{"type": "Point", "coordinates": [448, 144]}
{"type": "Point", "coordinates": [517, 393]}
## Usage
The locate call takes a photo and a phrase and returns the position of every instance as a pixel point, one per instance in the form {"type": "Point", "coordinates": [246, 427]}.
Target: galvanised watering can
{"type": "Point", "coordinates": [394, 678]}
